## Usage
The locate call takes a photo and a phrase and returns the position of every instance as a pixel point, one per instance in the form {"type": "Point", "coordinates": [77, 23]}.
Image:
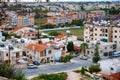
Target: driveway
{"type": "Point", "coordinates": [54, 68]}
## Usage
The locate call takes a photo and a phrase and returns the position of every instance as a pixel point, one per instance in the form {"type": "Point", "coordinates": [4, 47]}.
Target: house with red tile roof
{"type": "Point", "coordinates": [25, 32]}
{"type": "Point", "coordinates": [44, 52]}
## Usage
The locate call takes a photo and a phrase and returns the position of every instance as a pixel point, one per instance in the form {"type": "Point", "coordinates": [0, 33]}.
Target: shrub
{"type": "Point", "coordinates": [82, 70]}
{"type": "Point", "coordinates": [7, 71]}
{"type": "Point", "coordinates": [66, 58]}
{"type": "Point", "coordinates": [19, 76]}
{"type": "Point", "coordinates": [94, 69]}
{"type": "Point", "coordinates": [59, 76]}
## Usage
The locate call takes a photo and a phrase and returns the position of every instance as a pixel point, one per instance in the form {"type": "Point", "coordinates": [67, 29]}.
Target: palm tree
{"type": "Point", "coordinates": [84, 46]}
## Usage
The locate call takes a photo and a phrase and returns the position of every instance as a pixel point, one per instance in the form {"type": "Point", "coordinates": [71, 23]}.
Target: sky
{"type": "Point", "coordinates": [68, 0]}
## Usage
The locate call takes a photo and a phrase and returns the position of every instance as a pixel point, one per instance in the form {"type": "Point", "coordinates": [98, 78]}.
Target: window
{"type": "Point", "coordinates": [115, 36]}
{"type": "Point", "coordinates": [106, 30]}
{"type": "Point", "coordinates": [6, 54]}
{"type": "Point", "coordinates": [111, 68]}
{"type": "Point", "coordinates": [111, 47]}
{"type": "Point", "coordinates": [115, 41]}
{"type": "Point", "coordinates": [85, 36]}
{"type": "Point", "coordinates": [105, 47]}
{"type": "Point", "coordinates": [114, 46]}
{"type": "Point", "coordinates": [32, 34]}
{"type": "Point", "coordinates": [28, 34]}
{"type": "Point", "coordinates": [95, 34]}
{"type": "Point", "coordinates": [105, 54]}
{"type": "Point", "coordinates": [17, 55]}
{"type": "Point", "coordinates": [115, 31]}
{"type": "Point", "coordinates": [106, 35]}
{"type": "Point", "coordinates": [100, 29]}
{"type": "Point", "coordinates": [95, 29]}
{"type": "Point", "coordinates": [100, 34]}
{"type": "Point", "coordinates": [49, 51]}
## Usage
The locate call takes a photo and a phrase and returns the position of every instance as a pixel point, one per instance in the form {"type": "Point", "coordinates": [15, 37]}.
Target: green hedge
{"type": "Point", "coordinates": [94, 69]}
{"type": "Point", "coordinates": [59, 76]}
{"type": "Point", "coordinates": [66, 58]}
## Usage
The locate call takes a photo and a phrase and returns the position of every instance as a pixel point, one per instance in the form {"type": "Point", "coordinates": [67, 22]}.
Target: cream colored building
{"type": "Point", "coordinates": [109, 33]}
{"type": "Point", "coordinates": [105, 49]}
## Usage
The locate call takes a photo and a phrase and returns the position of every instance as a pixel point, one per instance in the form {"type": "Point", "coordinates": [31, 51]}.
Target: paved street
{"type": "Point", "coordinates": [52, 68]}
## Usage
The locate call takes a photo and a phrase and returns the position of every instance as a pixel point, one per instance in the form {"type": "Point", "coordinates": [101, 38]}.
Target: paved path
{"type": "Point", "coordinates": [54, 68]}
{"type": "Point", "coordinates": [73, 76]}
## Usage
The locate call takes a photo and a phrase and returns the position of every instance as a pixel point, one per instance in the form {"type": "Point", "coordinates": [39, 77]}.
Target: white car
{"type": "Point", "coordinates": [83, 57]}
{"type": "Point", "coordinates": [32, 66]}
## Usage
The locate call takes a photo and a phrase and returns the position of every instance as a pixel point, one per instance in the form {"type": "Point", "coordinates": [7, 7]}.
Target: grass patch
{"type": "Point", "coordinates": [41, 21]}
{"type": "Point", "coordinates": [79, 32]}
{"type": "Point", "coordinates": [58, 76]}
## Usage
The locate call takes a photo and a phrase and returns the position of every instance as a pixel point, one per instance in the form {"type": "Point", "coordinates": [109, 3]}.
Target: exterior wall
{"type": "Point", "coordinates": [101, 33]}
{"type": "Point", "coordinates": [116, 36]}
{"type": "Point", "coordinates": [13, 56]}
{"type": "Point", "coordinates": [104, 50]}
{"type": "Point", "coordinates": [31, 21]}
{"type": "Point", "coordinates": [25, 21]}
{"type": "Point", "coordinates": [20, 20]}
{"type": "Point", "coordinates": [30, 35]}
{"type": "Point", "coordinates": [63, 18]}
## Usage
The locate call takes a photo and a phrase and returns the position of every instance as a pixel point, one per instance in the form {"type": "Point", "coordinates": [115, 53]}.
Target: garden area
{"type": "Point", "coordinates": [79, 32]}
{"type": "Point", "coordinates": [58, 76]}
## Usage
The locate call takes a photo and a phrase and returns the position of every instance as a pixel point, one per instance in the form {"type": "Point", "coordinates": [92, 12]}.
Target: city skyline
{"type": "Point", "coordinates": [67, 0]}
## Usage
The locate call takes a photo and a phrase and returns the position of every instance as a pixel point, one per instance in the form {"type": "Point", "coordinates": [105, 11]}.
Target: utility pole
{"type": "Point", "coordinates": [9, 53]}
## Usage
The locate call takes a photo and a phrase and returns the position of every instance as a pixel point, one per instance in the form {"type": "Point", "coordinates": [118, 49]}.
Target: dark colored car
{"type": "Point", "coordinates": [36, 63]}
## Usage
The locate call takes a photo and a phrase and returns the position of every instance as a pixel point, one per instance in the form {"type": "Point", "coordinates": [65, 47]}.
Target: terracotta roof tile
{"type": "Point", "coordinates": [37, 47]}
{"type": "Point", "coordinates": [60, 36]}
{"type": "Point", "coordinates": [17, 28]}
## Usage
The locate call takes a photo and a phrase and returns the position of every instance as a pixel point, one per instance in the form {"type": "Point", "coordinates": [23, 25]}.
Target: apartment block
{"type": "Point", "coordinates": [65, 17]}
{"type": "Point", "coordinates": [109, 33]}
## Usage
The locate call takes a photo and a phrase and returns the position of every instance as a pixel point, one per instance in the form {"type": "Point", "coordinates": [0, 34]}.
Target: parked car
{"type": "Point", "coordinates": [36, 63]}
{"type": "Point", "coordinates": [32, 66]}
{"type": "Point", "coordinates": [83, 57]}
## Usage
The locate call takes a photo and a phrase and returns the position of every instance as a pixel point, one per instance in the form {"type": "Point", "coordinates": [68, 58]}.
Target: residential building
{"type": "Point", "coordinates": [44, 52]}
{"type": "Point", "coordinates": [106, 32]}
{"type": "Point", "coordinates": [9, 52]}
{"type": "Point", "coordinates": [111, 71]}
{"type": "Point", "coordinates": [65, 17]}
{"type": "Point", "coordinates": [25, 32]}
{"type": "Point", "coordinates": [106, 49]}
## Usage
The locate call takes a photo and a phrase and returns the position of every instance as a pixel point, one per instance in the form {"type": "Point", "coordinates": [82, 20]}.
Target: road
{"type": "Point", "coordinates": [52, 68]}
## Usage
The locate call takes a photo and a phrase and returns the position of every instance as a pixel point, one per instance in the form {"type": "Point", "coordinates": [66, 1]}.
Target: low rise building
{"type": "Point", "coordinates": [110, 68]}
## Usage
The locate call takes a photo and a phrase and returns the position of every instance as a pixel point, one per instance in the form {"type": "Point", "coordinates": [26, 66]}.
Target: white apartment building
{"type": "Point", "coordinates": [101, 32]}
{"type": "Point", "coordinates": [106, 49]}
{"type": "Point", "coordinates": [8, 52]}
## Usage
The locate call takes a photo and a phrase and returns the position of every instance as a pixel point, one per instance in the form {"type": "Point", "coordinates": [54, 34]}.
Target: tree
{"type": "Point", "coordinates": [83, 46]}
{"type": "Point", "coordinates": [96, 56]}
{"type": "Point", "coordinates": [54, 33]}
{"type": "Point", "coordinates": [77, 22]}
{"type": "Point", "coordinates": [70, 46]}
